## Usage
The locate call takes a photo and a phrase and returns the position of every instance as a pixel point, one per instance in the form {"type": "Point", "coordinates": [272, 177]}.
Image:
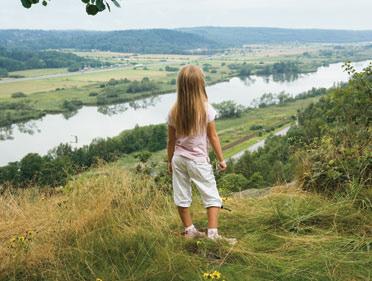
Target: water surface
{"type": "Point", "coordinates": [90, 122]}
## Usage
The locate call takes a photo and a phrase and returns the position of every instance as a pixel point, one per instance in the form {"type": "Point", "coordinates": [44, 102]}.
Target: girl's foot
{"type": "Point", "coordinates": [192, 232]}
{"type": "Point", "coordinates": [216, 237]}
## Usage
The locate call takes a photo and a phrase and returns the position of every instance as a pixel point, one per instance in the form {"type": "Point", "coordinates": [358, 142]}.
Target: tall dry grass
{"type": "Point", "coordinates": [107, 202]}
{"type": "Point", "coordinates": [114, 225]}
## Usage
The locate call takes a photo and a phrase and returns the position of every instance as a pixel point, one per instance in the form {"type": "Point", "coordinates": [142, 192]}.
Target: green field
{"type": "Point", "coordinates": [38, 72]}
{"type": "Point", "coordinates": [48, 94]}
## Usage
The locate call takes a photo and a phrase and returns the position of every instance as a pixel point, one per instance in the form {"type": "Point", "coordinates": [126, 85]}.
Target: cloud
{"type": "Point", "coordinates": [70, 14]}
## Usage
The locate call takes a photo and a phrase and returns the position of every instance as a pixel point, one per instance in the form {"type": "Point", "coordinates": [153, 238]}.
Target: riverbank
{"type": "Point", "coordinates": [67, 94]}
{"type": "Point", "coordinates": [108, 121]}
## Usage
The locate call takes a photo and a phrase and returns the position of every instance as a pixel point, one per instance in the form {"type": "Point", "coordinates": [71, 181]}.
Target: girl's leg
{"type": "Point", "coordinates": [185, 216]}
{"type": "Point", "coordinates": [213, 217]}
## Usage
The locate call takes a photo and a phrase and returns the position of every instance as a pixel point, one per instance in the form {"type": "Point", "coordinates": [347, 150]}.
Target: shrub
{"type": "Point", "coordinates": [229, 109]}
{"type": "Point", "coordinates": [336, 132]}
{"type": "Point", "coordinates": [171, 69]}
{"type": "Point", "coordinates": [329, 168]}
{"type": "Point", "coordinates": [143, 156]}
{"type": "Point", "coordinates": [18, 95]}
{"type": "Point", "coordinates": [74, 68]}
{"type": "Point", "coordinates": [3, 72]}
{"type": "Point", "coordinates": [72, 105]}
{"type": "Point", "coordinates": [232, 183]}
{"type": "Point", "coordinates": [93, 94]}
{"type": "Point", "coordinates": [255, 127]}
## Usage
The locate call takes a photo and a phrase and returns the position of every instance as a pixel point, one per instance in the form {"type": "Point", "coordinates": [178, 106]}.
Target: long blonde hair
{"type": "Point", "coordinates": [189, 111]}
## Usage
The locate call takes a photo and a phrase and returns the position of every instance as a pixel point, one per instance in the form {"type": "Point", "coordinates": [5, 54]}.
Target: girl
{"type": "Point", "coordinates": [190, 126]}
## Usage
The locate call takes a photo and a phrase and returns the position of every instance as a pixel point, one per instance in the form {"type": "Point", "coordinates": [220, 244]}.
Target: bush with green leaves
{"type": "Point", "coordinates": [232, 182]}
{"type": "Point", "coordinates": [3, 72]}
{"type": "Point", "coordinates": [18, 95]}
{"type": "Point", "coordinates": [336, 133]}
{"type": "Point", "coordinates": [271, 164]}
{"type": "Point", "coordinates": [143, 156]}
{"type": "Point", "coordinates": [228, 109]}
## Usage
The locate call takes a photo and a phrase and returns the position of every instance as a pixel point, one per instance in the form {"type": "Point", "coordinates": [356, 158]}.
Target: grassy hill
{"type": "Point", "coordinates": [113, 225]}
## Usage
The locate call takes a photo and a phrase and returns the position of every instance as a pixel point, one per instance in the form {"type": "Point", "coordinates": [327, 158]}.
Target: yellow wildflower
{"type": "Point", "coordinates": [99, 279]}
{"type": "Point", "coordinates": [21, 238]}
{"type": "Point", "coordinates": [216, 274]}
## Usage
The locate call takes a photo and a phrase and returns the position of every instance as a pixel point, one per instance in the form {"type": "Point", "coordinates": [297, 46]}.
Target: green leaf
{"type": "Point", "coordinates": [44, 3]}
{"type": "Point", "coordinates": [91, 9]}
{"type": "Point", "coordinates": [85, 1]}
{"type": "Point", "coordinates": [108, 7]}
{"type": "Point", "coordinates": [100, 5]}
{"type": "Point", "coordinates": [34, 1]}
{"type": "Point", "coordinates": [26, 3]}
{"type": "Point", "coordinates": [116, 3]}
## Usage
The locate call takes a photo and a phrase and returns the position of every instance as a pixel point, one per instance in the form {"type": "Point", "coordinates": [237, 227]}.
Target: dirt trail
{"type": "Point", "coordinates": [259, 144]}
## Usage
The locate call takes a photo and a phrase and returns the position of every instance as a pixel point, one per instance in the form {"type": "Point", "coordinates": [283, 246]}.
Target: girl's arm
{"type": "Point", "coordinates": [215, 142]}
{"type": "Point", "coordinates": [170, 146]}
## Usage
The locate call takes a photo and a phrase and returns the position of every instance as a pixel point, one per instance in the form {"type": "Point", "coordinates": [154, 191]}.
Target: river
{"type": "Point", "coordinates": [90, 122]}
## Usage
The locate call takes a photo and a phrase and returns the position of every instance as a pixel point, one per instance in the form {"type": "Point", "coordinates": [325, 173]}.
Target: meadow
{"type": "Point", "coordinates": [47, 90]}
{"type": "Point", "coordinates": [109, 224]}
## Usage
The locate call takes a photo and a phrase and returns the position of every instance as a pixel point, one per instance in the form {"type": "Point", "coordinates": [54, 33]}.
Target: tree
{"type": "Point", "coordinates": [92, 7]}
{"type": "Point", "coordinates": [229, 109]}
{"type": "Point", "coordinates": [3, 72]}
{"type": "Point", "coordinates": [232, 183]}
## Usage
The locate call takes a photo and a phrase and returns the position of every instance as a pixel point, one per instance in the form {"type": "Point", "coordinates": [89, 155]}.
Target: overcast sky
{"type": "Point", "coordinates": [70, 14]}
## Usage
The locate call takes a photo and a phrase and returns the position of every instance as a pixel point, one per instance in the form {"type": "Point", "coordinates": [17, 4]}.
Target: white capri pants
{"type": "Point", "coordinates": [186, 171]}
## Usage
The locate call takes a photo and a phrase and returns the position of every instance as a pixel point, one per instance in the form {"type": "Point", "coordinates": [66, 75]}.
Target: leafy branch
{"type": "Point", "coordinates": [92, 7]}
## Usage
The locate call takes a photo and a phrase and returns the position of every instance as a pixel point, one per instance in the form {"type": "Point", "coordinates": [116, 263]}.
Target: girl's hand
{"type": "Point", "coordinates": [170, 168]}
{"type": "Point", "coordinates": [222, 166]}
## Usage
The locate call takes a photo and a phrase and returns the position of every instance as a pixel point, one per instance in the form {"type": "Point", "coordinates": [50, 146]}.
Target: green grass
{"type": "Point", "coordinates": [47, 86]}
{"type": "Point", "coordinates": [46, 95]}
{"type": "Point", "coordinates": [113, 225]}
{"type": "Point", "coordinates": [278, 115]}
{"type": "Point", "coordinates": [39, 72]}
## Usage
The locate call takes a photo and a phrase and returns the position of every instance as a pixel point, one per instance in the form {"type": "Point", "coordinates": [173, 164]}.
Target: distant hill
{"type": "Point", "coordinates": [238, 36]}
{"type": "Point", "coordinates": [133, 41]}
{"type": "Point", "coordinates": [182, 40]}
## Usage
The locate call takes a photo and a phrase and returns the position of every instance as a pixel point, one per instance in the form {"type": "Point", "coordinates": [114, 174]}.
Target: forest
{"type": "Point", "coordinates": [21, 59]}
{"type": "Point", "coordinates": [168, 41]}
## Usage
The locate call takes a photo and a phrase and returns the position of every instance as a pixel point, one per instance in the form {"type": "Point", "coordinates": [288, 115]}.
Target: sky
{"type": "Point", "coordinates": [134, 14]}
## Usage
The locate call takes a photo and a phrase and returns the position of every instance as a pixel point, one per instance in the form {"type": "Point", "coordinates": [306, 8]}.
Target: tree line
{"type": "Point", "coordinates": [55, 168]}
{"type": "Point", "coordinates": [19, 59]}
